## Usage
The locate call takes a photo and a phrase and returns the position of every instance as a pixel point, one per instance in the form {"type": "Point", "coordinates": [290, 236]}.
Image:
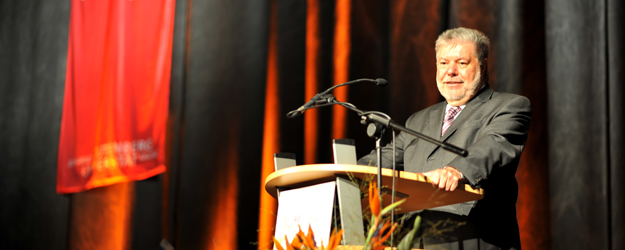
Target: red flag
{"type": "Point", "coordinates": [116, 92]}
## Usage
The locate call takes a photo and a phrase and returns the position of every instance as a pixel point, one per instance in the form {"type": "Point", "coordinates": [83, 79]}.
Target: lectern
{"type": "Point", "coordinates": [414, 187]}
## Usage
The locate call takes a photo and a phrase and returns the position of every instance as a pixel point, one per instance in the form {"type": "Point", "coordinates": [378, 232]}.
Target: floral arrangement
{"type": "Point", "coordinates": [378, 233]}
{"type": "Point", "coordinates": [303, 241]}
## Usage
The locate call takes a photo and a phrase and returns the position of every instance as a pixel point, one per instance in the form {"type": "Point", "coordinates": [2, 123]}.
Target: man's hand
{"type": "Point", "coordinates": [447, 178]}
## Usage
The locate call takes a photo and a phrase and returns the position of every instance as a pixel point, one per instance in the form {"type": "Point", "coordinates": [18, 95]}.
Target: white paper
{"type": "Point", "coordinates": [303, 206]}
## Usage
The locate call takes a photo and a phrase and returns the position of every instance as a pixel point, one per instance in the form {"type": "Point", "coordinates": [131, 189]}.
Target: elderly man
{"type": "Point", "coordinates": [492, 126]}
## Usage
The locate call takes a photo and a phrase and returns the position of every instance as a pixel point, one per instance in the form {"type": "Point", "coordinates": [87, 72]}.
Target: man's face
{"type": "Point", "coordinates": [458, 73]}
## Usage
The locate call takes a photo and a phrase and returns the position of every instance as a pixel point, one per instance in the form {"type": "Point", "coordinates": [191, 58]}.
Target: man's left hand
{"type": "Point", "coordinates": [447, 178]}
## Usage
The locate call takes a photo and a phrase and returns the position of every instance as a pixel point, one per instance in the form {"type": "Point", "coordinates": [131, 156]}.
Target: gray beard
{"type": "Point", "coordinates": [476, 84]}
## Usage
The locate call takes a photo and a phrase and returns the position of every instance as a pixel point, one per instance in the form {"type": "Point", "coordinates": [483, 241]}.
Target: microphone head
{"type": "Point", "coordinates": [381, 82]}
{"type": "Point", "coordinates": [294, 113]}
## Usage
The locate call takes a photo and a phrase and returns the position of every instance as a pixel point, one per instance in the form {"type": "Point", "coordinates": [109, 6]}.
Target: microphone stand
{"type": "Point", "coordinates": [376, 123]}
{"type": "Point", "coordinates": [375, 130]}
{"type": "Point", "coordinates": [370, 117]}
{"type": "Point", "coordinates": [382, 120]}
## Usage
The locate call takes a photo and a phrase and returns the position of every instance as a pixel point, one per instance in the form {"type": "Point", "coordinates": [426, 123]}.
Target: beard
{"type": "Point", "coordinates": [455, 95]}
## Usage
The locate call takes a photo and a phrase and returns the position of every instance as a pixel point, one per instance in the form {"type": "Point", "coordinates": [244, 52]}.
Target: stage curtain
{"type": "Point", "coordinates": [584, 45]}
{"type": "Point", "coordinates": [239, 66]}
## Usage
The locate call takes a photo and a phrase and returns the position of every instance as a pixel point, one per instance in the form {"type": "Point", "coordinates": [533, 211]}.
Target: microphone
{"type": "Point", "coordinates": [317, 99]}
{"type": "Point", "coordinates": [323, 98]}
{"type": "Point", "coordinates": [380, 82]}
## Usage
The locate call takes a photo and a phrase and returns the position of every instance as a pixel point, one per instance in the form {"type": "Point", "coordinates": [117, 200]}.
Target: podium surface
{"type": "Point", "coordinates": [415, 187]}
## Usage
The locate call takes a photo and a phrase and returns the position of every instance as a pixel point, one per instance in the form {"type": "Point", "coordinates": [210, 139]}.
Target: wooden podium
{"type": "Point", "coordinates": [415, 188]}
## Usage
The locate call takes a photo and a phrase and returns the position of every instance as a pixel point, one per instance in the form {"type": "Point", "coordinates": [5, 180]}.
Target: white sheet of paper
{"type": "Point", "coordinates": [303, 206]}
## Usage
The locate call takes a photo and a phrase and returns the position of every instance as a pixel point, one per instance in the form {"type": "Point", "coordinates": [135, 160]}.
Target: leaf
{"type": "Point", "coordinates": [407, 241]}
{"type": "Point", "coordinates": [391, 207]}
{"type": "Point", "coordinates": [372, 229]}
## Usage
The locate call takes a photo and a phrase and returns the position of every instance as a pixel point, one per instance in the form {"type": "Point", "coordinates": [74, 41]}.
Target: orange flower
{"type": "Point", "coordinates": [335, 239]}
{"type": "Point", "coordinates": [379, 239]}
{"type": "Point", "coordinates": [289, 246]}
{"type": "Point", "coordinates": [388, 234]}
{"type": "Point", "coordinates": [309, 240]}
{"type": "Point", "coordinates": [374, 199]}
{"type": "Point", "coordinates": [301, 241]}
{"type": "Point", "coordinates": [298, 239]}
{"type": "Point", "coordinates": [379, 231]}
{"type": "Point", "coordinates": [277, 243]}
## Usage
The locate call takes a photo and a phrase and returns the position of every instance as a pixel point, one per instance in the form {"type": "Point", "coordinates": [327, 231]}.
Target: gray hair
{"type": "Point", "coordinates": [476, 37]}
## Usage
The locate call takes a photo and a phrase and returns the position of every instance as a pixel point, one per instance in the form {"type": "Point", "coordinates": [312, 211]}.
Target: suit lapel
{"type": "Point", "coordinates": [433, 126]}
{"type": "Point", "coordinates": [483, 96]}
{"type": "Point", "coordinates": [437, 122]}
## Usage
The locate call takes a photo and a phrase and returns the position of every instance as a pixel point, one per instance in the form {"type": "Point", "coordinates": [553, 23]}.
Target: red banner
{"type": "Point", "coordinates": [116, 92]}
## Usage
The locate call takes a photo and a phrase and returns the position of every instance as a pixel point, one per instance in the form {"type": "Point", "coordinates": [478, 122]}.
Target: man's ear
{"type": "Point", "coordinates": [484, 70]}
{"type": "Point", "coordinates": [484, 65]}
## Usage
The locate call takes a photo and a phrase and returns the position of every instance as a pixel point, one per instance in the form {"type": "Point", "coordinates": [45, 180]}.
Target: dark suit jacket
{"type": "Point", "coordinates": [493, 127]}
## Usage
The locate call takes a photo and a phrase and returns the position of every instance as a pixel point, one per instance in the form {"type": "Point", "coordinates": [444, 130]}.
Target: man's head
{"type": "Point", "coordinates": [461, 63]}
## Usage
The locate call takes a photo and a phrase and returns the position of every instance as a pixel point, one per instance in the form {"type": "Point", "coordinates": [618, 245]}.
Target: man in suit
{"type": "Point", "coordinates": [492, 126]}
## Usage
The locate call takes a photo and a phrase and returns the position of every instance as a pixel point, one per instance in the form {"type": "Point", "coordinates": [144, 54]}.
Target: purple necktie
{"type": "Point", "coordinates": [449, 118]}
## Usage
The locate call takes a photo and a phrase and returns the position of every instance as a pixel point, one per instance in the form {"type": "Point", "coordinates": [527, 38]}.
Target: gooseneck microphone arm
{"type": "Point", "coordinates": [326, 99]}
{"type": "Point", "coordinates": [322, 98]}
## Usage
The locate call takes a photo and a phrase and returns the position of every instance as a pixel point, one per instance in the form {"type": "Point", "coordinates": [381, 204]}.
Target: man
{"type": "Point", "coordinates": [492, 127]}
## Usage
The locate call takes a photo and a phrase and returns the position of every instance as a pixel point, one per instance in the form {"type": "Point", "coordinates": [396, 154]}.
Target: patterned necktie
{"type": "Point", "coordinates": [449, 118]}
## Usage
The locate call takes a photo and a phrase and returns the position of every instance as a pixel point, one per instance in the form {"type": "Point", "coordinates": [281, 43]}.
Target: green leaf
{"type": "Point", "coordinates": [391, 207]}
{"type": "Point", "coordinates": [406, 242]}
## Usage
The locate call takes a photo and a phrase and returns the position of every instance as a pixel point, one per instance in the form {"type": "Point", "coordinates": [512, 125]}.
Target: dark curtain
{"type": "Point", "coordinates": [218, 84]}
{"type": "Point", "coordinates": [566, 56]}
{"type": "Point", "coordinates": [585, 52]}
{"type": "Point", "coordinates": [33, 52]}
{"type": "Point", "coordinates": [616, 116]}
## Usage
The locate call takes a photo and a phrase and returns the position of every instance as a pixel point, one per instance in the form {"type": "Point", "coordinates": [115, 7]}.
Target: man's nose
{"type": "Point", "coordinates": [452, 69]}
